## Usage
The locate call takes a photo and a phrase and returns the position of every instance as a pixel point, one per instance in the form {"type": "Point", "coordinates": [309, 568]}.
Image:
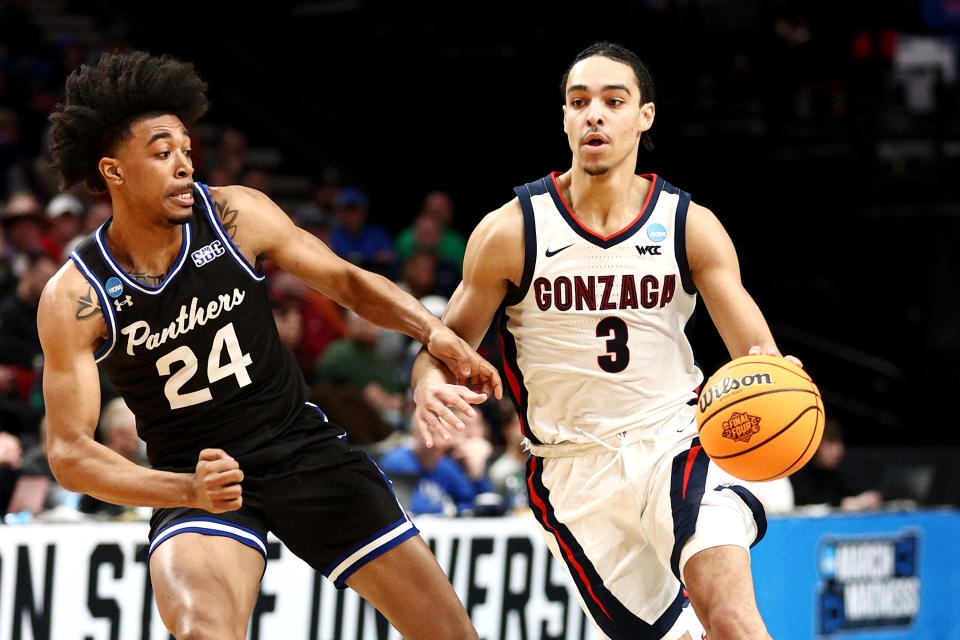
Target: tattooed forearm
{"type": "Point", "coordinates": [228, 217]}
{"type": "Point", "coordinates": [147, 279]}
{"type": "Point", "coordinates": [88, 305]}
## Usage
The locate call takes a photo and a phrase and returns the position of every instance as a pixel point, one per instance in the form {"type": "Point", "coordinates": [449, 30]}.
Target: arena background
{"type": "Point", "coordinates": [793, 121]}
{"type": "Point", "coordinates": [824, 134]}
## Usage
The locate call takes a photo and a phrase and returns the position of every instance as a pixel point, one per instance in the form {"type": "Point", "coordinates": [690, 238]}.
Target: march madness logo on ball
{"type": "Point", "coordinates": [741, 426]}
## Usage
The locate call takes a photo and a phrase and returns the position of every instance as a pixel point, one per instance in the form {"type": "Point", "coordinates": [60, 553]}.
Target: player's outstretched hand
{"type": "Point", "coordinates": [757, 350]}
{"type": "Point", "coordinates": [216, 482]}
{"type": "Point", "coordinates": [464, 362]}
{"type": "Point", "coordinates": [435, 403]}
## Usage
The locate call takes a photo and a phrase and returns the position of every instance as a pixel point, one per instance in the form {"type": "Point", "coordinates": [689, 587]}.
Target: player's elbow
{"type": "Point", "coordinates": [63, 461]}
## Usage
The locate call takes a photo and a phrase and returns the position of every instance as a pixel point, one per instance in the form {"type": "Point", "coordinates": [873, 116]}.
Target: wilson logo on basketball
{"type": "Point", "coordinates": [729, 385]}
{"type": "Point", "coordinates": [741, 427]}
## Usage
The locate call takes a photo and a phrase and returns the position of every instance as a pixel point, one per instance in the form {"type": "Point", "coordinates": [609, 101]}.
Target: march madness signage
{"type": "Point", "coordinates": [868, 583]}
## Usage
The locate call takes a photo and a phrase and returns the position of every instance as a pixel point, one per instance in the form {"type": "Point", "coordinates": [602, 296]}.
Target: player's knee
{"type": "Point", "coordinates": [209, 624]}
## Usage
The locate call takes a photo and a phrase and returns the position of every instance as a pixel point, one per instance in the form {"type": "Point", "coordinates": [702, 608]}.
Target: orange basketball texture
{"type": "Point", "coordinates": [760, 417]}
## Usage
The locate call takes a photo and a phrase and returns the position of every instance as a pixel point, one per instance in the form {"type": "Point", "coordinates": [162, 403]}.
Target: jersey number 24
{"type": "Point", "coordinates": [237, 365]}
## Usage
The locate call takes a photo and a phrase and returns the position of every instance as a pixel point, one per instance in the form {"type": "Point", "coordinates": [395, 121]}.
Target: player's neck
{"type": "Point", "coordinates": [140, 246]}
{"type": "Point", "coordinates": [607, 202]}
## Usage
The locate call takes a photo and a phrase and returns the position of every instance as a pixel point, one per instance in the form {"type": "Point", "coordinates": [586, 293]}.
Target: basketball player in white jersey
{"type": "Point", "coordinates": [591, 276]}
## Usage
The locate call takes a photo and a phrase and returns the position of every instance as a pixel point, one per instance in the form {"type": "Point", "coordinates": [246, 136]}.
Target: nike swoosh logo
{"type": "Point", "coordinates": [550, 254]}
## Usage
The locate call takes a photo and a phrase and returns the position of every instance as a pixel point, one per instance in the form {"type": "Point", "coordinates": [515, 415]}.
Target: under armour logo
{"type": "Point", "coordinates": [126, 301]}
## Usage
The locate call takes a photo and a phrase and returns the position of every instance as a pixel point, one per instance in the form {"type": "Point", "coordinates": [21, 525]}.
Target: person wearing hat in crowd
{"type": "Point", "coordinates": [21, 225]}
{"type": "Point", "coordinates": [356, 240]}
{"type": "Point", "coordinates": [65, 221]}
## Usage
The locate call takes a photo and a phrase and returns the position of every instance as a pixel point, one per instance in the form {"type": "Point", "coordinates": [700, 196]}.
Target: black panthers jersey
{"type": "Point", "coordinates": [197, 358]}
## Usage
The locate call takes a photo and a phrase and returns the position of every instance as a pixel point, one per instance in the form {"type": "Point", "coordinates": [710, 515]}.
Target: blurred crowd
{"type": "Point", "coordinates": [357, 372]}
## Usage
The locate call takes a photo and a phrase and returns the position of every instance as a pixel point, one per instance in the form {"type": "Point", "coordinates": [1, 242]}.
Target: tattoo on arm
{"type": "Point", "coordinates": [89, 305]}
{"type": "Point", "coordinates": [228, 217]}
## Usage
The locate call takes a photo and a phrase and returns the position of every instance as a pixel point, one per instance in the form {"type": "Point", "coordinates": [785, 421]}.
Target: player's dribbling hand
{"type": "Point", "coordinates": [435, 402]}
{"type": "Point", "coordinates": [757, 350]}
{"type": "Point", "coordinates": [464, 362]}
{"type": "Point", "coordinates": [216, 482]}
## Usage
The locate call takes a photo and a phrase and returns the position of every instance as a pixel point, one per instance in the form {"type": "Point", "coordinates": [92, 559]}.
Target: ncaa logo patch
{"type": "Point", "coordinates": [114, 287]}
{"type": "Point", "coordinates": [657, 232]}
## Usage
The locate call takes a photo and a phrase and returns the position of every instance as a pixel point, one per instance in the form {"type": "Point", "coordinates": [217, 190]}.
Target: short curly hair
{"type": "Point", "coordinates": [103, 100]}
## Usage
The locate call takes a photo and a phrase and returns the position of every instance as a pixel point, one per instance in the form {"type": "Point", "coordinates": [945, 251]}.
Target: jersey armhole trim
{"type": "Point", "coordinates": [106, 348]}
{"type": "Point", "coordinates": [220, 231]}
{"type": "Point", "coordinates": [518, 293]}
{"type": "Point", "coordinates": [680, 243]}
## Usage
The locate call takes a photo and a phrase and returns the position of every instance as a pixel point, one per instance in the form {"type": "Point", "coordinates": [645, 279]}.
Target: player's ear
{"type": "Point", "coordinates": [647, 113]}
{"type": "Point", "coordinates": [111, 171]}
{"type": "Point", "coordinates": [564, 118]}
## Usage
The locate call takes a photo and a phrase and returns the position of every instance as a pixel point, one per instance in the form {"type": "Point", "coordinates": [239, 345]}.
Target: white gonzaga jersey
{"type": "Point", "coordinates": [594, 337]}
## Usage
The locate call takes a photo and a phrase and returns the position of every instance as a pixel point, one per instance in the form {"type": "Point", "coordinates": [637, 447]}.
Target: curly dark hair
{"type": "Point", "coordinates": [103, 100]}
{"type": "Point", "coordinates": [620, 54]}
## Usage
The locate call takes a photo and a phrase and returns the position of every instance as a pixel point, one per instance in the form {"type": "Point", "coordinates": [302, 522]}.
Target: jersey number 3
{"type": "Point", "coordinates": [237, 366]}
{"type": "Point", "coordinates": [618, 355]}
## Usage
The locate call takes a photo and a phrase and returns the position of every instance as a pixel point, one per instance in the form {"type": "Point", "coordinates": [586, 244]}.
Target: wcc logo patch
{"type": "Point", "coordinates": [207, 253]}
{"type": "Point", "coordinates": [741, 426]}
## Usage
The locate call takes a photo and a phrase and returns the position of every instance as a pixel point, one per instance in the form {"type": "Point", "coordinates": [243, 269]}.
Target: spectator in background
{"type": "Point", "coordinates": [10, 456]}
{"type": "Point", "coordinates": [23, 224]}
{"type": "Point", "coordinates": [444, 479]}
{"type": "Point", "coordinates": [99, 213]}
{"type": "Point", "coordinates": [355, 362]}
{"type": "Point", "coordinates": [432, 230]}
{"type": "Point", "coordinates": [821, 482]}
{"type": "Point", "coordinates": [65, 223]}
{"type": "Point", "coordinates": [320, 318]}
{"type": "Point", "coordinates": [19, 340]}
{"type": "Point", "coordinates": [355, 239]}
{"type": "Point", "coordinates": [507, 472]}
{"type": "Point", "coordinates": [289, 325]}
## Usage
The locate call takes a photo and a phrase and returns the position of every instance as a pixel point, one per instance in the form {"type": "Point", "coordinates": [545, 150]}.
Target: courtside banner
{"type": "Point", "coordinates": [89, 581]}
{"type": "Point", "coordinates": [887, 576]}
{"type": "Point", "coordinates": [844, 577]}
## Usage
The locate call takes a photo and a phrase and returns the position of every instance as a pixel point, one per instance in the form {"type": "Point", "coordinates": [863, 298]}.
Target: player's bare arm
{"type": "Point", "coordinates": [71, 326]}
{"type": "Point", "coordinates": [262, 230]}
{"type": "Point", "coordinates": [492, 263]}
{"type": "Point", "coordinates": [716, 273]}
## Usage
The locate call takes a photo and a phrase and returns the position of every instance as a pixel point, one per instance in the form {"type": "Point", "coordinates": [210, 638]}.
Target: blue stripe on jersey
{"type": "Point", "coordinates": [220, 231]}
{"type": "Point", "coordinates": [613, 618]}
{"type": "Point", "coordinates": [107, 347]}
{"type": "Point", "coordinates": [185, 239]}
{"type": "Point", "coordinates": [687, 482]}
{"type": "Point", "coordinates": [202, 524]}
{"type": "Point", "coordinates": [759, 513]}
{"type": "Point", "coordinates": [339, 572]}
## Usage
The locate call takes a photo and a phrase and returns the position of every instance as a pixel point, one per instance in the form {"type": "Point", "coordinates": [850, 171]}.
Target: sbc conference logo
{"type": "Point", "coordinates": [867, 583]}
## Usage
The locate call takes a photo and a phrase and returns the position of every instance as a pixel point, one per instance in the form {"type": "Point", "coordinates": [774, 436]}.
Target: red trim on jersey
{"type": "Point", "coordinates": [543, 510]}
{"type": "Point", "coordinates": [652, 177]}
{"type": "Point", "coordinates": [513, 382]}
{"type": "Point", "coordinates": [691, 456]}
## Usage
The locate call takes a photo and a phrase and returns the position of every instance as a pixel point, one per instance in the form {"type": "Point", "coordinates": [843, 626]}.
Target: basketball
{"type": "Point", "coordinates": [760, 417]}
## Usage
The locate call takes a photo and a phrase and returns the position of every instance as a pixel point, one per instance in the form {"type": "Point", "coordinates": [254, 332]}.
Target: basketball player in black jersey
{"type": "Point", "coordinates": [168, 297]}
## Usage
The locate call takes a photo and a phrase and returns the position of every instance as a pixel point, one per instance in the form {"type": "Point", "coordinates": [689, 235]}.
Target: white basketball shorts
{"type": "Point", "coordinates": [626, 516]}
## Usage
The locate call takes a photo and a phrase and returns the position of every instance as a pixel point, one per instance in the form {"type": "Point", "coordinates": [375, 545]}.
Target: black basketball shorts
{"type": "Point", "coordinates": [329, 504]}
